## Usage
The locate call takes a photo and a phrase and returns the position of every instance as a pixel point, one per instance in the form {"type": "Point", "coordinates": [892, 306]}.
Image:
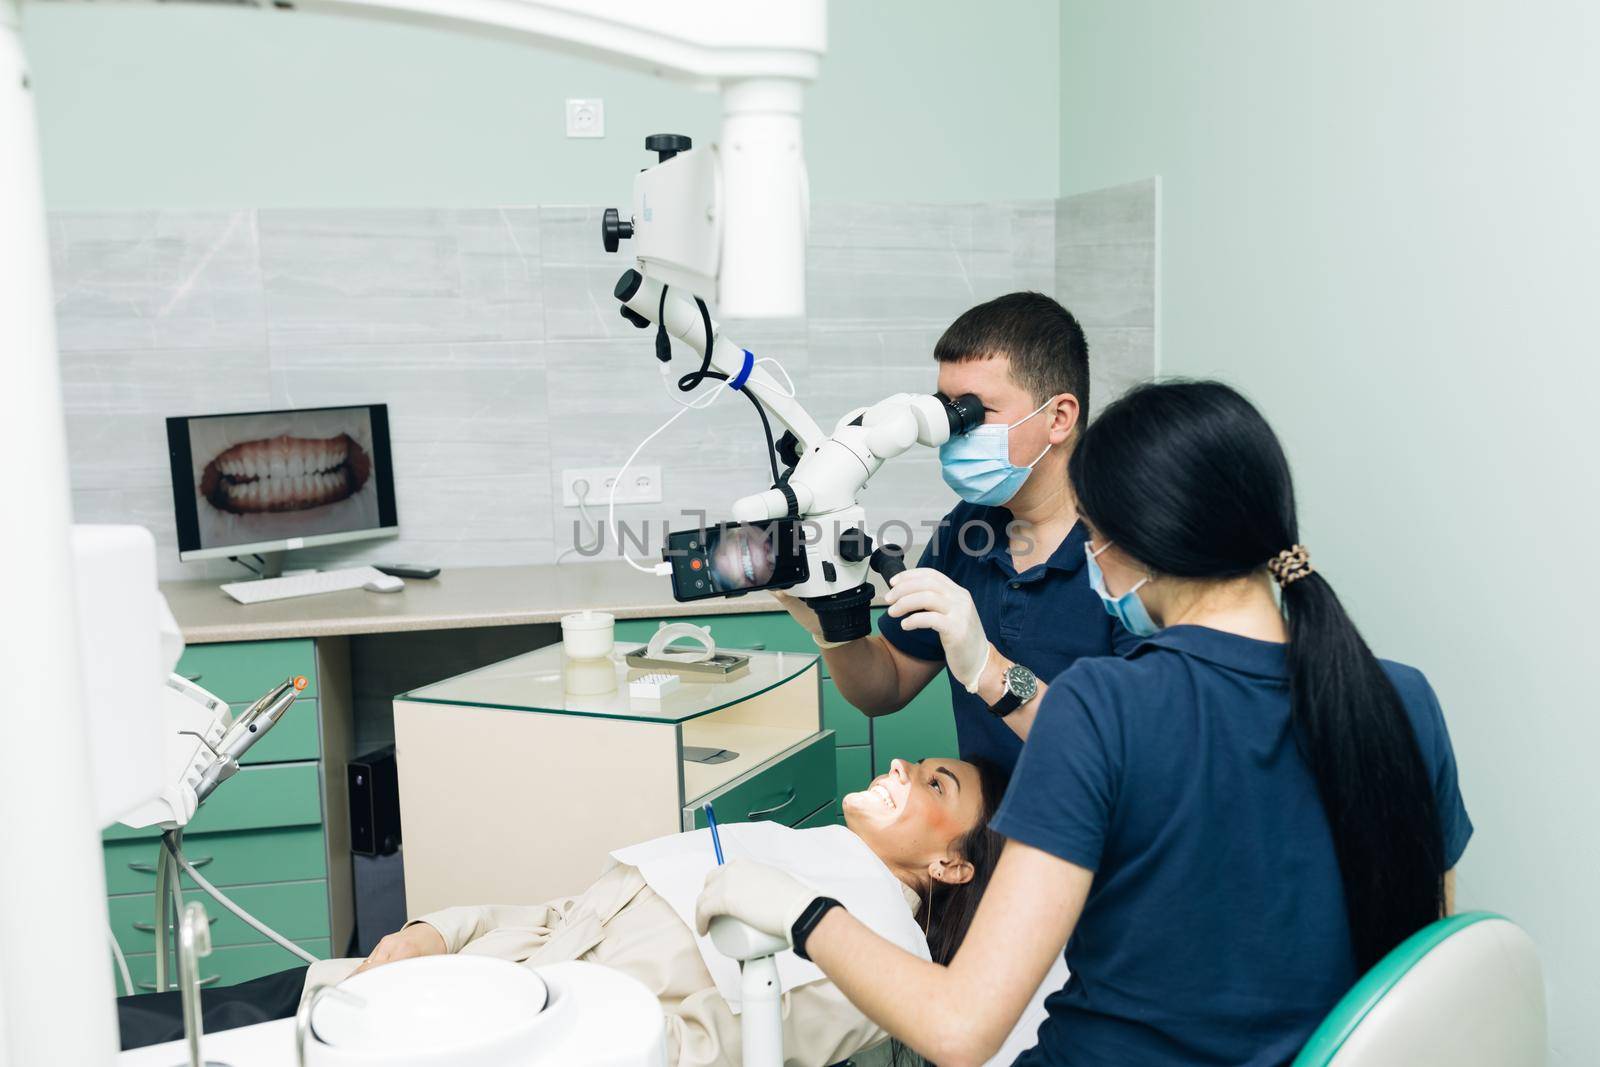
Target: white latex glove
{"type": "Point", "coordinates": [926, 599]}
{"type": "Point", "coordinates": [764, 897]}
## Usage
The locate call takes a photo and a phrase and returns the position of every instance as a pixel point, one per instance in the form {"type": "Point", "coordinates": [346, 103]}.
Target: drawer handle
{"type": "Point", "coordinates": [765, 812]}
{"type": "Point", "coordinates": [210, 979]}
{"type": "Point", "coordinates": [195, 677]}
{"type": "Point", "coordinates": [757, 646]}
{"type": "Point", "coordinates": [145, 868]}
{"type": "Point", "coordinates": [150, 928]}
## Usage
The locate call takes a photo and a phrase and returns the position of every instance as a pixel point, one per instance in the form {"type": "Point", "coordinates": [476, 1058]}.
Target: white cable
{"type": "Point", "coordinates": [683, 406]}
{"type": "Point", "coordinates": [122, 963]}
{"type": "Point", "coordinates": [788, 380]}
{"type": "Point", "coordinates": [591, 529]}
{"type": "Point", "coordinates": [254, 923]}
{"type": "Point", "coordinates": [611, 498]}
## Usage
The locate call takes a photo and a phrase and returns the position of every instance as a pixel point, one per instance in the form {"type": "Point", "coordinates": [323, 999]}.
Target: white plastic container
{"type": "Point", "coordinates": [587, 634]}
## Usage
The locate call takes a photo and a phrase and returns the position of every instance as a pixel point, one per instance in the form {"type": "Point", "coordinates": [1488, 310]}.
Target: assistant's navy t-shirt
{"type": "Point", "coordinates": [1215, 930]}
{"type": "Point", "coordinates": [1044, 618]}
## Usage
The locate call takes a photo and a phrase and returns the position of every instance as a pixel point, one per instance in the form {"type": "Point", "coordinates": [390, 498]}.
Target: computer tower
{"type": "Point", "coordinates": [374, 784]}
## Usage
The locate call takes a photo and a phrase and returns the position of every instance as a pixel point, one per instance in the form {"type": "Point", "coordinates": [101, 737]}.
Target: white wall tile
{"type": "Point", "coordinates": [366, 277]}
{"type": "Point", "coordinates": [140, 280]}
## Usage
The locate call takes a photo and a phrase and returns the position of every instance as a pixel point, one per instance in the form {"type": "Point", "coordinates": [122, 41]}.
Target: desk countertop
{"type": "Point", "coordinates": [459, 598]}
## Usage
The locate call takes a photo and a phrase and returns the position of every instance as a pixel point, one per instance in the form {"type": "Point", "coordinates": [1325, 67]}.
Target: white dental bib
{"type": "Point", "coordinates": [830, 859]}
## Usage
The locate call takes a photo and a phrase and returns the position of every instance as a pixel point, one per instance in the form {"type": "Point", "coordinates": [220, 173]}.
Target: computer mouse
{"type": "Point", "coordinates": [385, 583]}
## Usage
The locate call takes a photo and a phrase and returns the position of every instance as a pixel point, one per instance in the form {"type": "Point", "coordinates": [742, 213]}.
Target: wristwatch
{"type": "Point", "coordinates": [808, 922]}
{"type": "Point", "coordinates": [1021, 684]}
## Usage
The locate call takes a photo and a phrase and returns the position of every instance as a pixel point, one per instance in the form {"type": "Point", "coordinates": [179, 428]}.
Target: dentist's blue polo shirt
{"type": "Point", "coordinates": [1215, 929]}
{"type": "Point", "coordinates": [1045, 618]}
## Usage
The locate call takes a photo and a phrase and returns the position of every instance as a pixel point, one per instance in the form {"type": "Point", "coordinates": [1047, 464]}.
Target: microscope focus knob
{"type": "Point", "coordinates": [667, 145]}
{"type": "Point", "coordinates": [613, 230]}
{"type": "Point", "coordinates": [854, 545]}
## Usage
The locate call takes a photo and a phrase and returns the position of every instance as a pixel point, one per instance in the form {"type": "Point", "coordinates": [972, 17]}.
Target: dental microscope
{"type": "Point", "coordinates": [820, 475]}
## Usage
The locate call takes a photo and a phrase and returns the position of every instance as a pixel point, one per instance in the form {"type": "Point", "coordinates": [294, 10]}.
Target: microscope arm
{"type": "Point", "coordinates": [642, 296]}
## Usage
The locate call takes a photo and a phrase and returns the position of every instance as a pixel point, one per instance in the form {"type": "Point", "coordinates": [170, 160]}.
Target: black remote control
{"type": "Point", "coordinates": [407, 570]}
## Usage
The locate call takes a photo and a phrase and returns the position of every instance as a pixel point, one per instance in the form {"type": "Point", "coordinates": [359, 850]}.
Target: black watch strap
{"type": "Point", "coordinates": [808, 922]}
{"type": "Point", "coordinates": [1007, 703]}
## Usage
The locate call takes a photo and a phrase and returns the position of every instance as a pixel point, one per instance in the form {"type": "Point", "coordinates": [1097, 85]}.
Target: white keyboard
{"type": "Point", "coordinates": [260, 589]}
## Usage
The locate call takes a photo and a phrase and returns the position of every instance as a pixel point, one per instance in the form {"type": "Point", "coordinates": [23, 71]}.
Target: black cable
{"type": "Point", "coordinates": [688, 382]}
{"type": "Point", "coordinates": [246, 566]}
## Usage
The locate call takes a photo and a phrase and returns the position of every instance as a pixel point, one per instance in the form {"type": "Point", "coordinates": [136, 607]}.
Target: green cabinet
{"type": "Point", "coordinates": [241, 671]}
{"type": "Point", "coordinates": [282, 794]}
{"type": "Point", "coordinates": [295, 909]}
{"type": "Point", "coordinates": [240, 857]}
{"type": "Point", "coordinates": [787, 792]}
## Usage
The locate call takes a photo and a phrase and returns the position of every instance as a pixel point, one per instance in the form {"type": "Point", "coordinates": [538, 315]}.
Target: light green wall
{"type": "Point", "coordinates": [144, 106]}
{"type": "Point", "coordinates": [1380, 220]}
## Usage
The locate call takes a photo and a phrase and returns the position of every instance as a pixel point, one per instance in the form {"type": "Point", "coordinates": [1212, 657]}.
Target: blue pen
{"type": "Point", "coordinates": [716, 839]}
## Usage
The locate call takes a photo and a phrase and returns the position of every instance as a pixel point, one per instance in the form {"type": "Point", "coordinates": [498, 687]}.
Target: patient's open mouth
{"type": "Point", "coordinates": [285, 474]}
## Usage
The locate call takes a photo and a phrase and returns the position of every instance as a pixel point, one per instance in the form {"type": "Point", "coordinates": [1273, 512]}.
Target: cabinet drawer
{"type": "Point", "coordinates": [295, 737]}
{"type": "Point", "coordinates": [851, 726]}
{"type": "Point", "coordinates": [230, 965]}
{"type": "Point", "coordinates": [923, 728]}
{"type": "Point", "coordinates": [785, 792]}
{"type": "Point", "coordinates": [823, 816]}
{"type": "Point", "coordinates": [241, 671]}
{"type": "Point", "coordinates": [228, 859]}
{"type": "Point", "coordinates": [297, 910]}
{"type": "Point", "coordinates": [282, 794]}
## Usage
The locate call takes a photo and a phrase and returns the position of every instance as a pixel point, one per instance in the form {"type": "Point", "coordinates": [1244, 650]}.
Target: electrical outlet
{"type": "Point", "coordinates": [640, 485]}
{"type": "Point", "coordinates": [586, 117]}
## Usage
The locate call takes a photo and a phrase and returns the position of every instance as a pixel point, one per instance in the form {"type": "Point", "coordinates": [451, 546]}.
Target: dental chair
{"type": "Point", "coordinates": [1465, 991]}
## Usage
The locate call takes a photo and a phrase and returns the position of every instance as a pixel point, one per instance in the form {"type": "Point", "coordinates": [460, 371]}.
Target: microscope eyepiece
{"type": "Point", "coordinates": [965, 412]}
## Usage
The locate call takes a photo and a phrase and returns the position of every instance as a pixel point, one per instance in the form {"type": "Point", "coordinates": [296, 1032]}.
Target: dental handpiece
{"type": "Point", "coordinates": [251, 725]}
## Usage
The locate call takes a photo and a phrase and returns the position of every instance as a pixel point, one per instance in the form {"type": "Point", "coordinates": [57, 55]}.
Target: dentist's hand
{"type": "Point", "coordinates": [927, 599]}
{"type": "Point", "coordinates": [800, 611]}
{"type": "Point", "coordinates": [768, 899]}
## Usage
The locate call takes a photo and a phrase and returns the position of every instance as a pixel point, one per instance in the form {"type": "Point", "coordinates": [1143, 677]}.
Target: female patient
{"type": "Point", "coordinates": [927, 823]}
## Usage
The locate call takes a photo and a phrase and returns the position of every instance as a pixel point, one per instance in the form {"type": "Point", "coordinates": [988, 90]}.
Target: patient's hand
{"type": "Point", "coordinates": [419, 939]}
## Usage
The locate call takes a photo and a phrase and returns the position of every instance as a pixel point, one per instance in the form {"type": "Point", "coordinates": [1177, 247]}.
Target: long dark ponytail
{"type": "Point", "coordinates": [1188, 479]}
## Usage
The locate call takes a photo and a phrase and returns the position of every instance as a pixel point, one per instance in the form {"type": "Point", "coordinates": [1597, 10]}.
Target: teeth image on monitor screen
{"type": "Point", "coordinates": [285, 474]}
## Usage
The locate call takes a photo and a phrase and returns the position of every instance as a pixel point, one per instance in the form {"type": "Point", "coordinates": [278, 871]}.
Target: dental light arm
{"type": "Point", "coordinates": [825, 473]}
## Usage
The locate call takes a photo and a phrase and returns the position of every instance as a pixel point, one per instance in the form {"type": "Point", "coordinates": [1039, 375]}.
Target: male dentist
{"type": "Point", "coordinates": [1001, 596]}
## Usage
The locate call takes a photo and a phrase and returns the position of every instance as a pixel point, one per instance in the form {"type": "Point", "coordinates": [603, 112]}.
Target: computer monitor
{"type": "Point", "coordinates": [271, 481]}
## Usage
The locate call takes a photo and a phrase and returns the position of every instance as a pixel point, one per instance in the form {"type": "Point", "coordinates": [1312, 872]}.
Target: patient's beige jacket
{"type": "Point", "coordinates": [620, 922]}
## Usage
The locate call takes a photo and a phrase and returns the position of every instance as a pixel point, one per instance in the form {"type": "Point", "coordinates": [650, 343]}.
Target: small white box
{"type": "Point", "coordinates": [652, 686]}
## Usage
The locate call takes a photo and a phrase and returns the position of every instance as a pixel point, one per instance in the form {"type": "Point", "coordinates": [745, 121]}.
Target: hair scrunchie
{"type": "Point", "coordinates": [1290, 565]}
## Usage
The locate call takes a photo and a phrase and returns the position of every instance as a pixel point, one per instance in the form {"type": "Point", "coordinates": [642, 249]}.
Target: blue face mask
{"type": "Point", "coordinates": [1127, 609]}
{"type": "Point", "coordinates": [978, 465]}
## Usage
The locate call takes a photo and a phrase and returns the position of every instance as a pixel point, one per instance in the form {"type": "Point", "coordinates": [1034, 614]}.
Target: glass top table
{"type": "Point", "coordinates": [546, 681]}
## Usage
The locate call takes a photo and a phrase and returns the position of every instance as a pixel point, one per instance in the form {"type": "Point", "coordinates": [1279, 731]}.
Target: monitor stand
{"type": "Point", "coordinates": [265, 565]}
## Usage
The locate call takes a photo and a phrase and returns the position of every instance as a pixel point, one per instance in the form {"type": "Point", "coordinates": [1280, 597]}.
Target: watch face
{"type": "Point", "coordinates": [1021, 682]}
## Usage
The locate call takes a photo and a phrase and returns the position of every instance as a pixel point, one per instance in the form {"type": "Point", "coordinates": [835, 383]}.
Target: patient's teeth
{"type": "Point", "coordinates": [297, 463]}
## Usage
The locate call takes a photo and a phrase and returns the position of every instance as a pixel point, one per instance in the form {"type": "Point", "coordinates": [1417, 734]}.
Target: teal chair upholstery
{"type": "Point", "coordinates": [1465, 991]}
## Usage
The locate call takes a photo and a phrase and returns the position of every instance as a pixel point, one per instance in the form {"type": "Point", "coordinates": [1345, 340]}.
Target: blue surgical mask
{"type": "Point", "coordinates": [978, 464]}
{"type": "Point", "coordinates": [1127, 609]}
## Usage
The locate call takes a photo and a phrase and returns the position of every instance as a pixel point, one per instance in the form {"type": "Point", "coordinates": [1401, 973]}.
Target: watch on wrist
{"type": "Point", "coordinates": [1020, 685]}
{"type": "Point", "coordinates": [808, 922]}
